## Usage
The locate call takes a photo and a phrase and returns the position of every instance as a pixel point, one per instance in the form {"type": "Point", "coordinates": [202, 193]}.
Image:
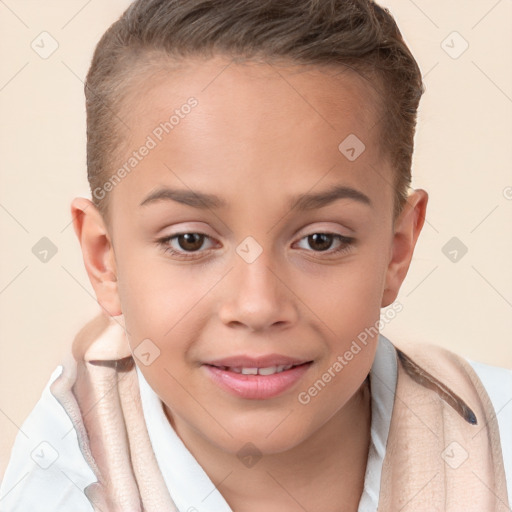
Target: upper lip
{"type": "Point", "coordinates": [266, 361]}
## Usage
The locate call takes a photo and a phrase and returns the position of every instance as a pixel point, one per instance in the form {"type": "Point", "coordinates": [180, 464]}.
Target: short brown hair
{"type": "Point", "coordinates": [354, 33]}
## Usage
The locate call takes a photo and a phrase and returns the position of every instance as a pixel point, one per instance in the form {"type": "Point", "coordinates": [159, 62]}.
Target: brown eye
{"type": "Point", "coordinates": [185, 245]}
{"type": "Point", "coordinates": [320, 241]}
{"type": "Point", "coordinates": [190, 241]}
{"type": "Point", "coordinates": [323, 242]}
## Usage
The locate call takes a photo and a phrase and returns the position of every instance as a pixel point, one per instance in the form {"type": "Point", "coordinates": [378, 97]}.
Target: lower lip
{"type": "Point", "coordinates": [256, 387]}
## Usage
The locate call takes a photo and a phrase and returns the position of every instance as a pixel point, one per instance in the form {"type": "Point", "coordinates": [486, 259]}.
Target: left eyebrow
{"type": "Point", "coordinates": [308, 201]}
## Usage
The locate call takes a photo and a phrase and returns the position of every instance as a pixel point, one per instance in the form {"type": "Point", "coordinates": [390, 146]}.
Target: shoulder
{"type": "Point", "coordinates": [46, 469]}
{"type": "Point", "coordinates": [498, 384]}
{"type": "Point", "coordinates": [449, 366]}
{"type": "Point", "coordinates": [495, 380]}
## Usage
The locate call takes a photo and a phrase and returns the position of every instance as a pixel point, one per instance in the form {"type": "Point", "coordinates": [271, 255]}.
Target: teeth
{"type": "Point", "coordinates": [269, 370]}
{"type": "Point", "coordinates": [249, 371]}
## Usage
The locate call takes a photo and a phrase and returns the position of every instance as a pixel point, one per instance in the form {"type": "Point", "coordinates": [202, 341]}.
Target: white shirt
{"type": "Point", "coordinates": [47, 471]}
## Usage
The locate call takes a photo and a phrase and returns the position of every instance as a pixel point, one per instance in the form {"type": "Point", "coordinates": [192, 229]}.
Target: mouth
{"type": "Point", "coordinates": [257, 381]}
{"type": "Point", "coordinates": [268, 370]}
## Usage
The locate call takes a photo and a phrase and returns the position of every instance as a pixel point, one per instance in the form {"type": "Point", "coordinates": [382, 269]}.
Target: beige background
{"type": "Point", "coordinates": [463, 159]}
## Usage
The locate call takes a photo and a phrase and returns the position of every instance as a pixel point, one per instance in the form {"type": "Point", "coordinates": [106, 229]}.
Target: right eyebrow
{"type": "Point", "coordinates": [187, 197]}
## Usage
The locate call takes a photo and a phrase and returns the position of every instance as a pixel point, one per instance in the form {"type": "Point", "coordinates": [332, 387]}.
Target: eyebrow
{"type": "Point", "coordinates": [307, 201]}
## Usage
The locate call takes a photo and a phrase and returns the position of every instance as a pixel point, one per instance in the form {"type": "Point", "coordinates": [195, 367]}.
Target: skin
{"type": "Point", "coordinates": [259, 135]}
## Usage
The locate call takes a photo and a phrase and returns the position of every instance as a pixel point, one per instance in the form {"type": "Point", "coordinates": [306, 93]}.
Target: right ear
{"type": "Point", "coordinates": [98, 253]}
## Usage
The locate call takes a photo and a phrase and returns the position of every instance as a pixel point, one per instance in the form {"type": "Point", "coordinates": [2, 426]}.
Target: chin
{"type": "Point", "coordinates": [267, 440]}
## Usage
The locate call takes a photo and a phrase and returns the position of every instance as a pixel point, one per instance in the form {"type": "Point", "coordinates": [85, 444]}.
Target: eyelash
{"type": "Point", "coordinates": [346, 244]}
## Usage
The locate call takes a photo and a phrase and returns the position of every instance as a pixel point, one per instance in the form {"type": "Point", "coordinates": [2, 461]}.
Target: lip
{"type": "Point", "coordinates": [256, 387]}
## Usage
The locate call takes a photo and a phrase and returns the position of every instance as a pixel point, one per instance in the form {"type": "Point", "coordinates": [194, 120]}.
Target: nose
{"type": "Point", "coordinates": [259, 296]}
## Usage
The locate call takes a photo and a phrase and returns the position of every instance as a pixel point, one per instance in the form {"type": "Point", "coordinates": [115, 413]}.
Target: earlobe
{"type": "Point", "coordinates": [98, 253]}
{"type": "Point", "coordinates": [407, 229]}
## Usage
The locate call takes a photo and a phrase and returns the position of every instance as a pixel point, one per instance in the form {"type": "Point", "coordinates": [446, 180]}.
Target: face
{"type": "Point", "coordinates": [245, 238]}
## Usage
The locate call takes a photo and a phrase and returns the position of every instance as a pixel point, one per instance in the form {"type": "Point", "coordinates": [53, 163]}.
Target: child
{"type": "Point", "coordinates": [235, 366]}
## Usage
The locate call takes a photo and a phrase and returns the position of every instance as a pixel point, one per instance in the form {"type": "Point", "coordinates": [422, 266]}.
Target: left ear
{"type": "Point", "coordinates": [406, 231]}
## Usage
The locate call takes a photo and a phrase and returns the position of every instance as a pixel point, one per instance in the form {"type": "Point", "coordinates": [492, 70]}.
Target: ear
{"type": "Point", "coordinates": [98, 253]}
{"type": "Point", "coordinates": [406, 231]}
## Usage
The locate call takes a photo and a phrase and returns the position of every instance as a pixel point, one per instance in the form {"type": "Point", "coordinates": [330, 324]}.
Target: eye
{"type": "Point", "coordinates": [323, 242]}
{"type": "Point", "coordinates": [188, 244]}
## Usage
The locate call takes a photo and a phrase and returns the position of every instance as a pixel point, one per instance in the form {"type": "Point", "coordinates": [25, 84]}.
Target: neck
{"type": "Point", "coordinates": [320, 473]}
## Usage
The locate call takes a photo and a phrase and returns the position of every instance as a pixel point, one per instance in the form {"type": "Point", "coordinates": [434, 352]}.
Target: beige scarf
{"type": "Point", "coordinates": [443, 450]}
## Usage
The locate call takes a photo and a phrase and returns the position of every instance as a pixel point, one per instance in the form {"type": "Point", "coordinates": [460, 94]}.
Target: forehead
{"type": "Point", "coordinates": [228, 88]}
{"type": "Point", "coordinates": [256, 124]}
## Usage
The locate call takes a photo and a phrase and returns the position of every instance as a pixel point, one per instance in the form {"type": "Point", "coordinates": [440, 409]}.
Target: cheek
{"type": "Point", "coordinates": [347, 308]}
{"type": "Point", "coordinates": [152, 291]}
{"type": "Point", "coordinates": [166, 304]}
{"type": "Point", "coordinates": [151, 302]}
{"type": "Point", "coordinates": [346, 296]}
